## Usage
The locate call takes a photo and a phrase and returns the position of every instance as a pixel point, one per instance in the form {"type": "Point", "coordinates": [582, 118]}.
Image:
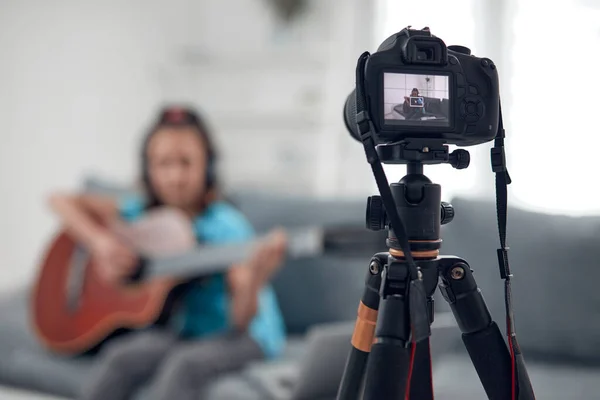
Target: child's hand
{"type": "Point", "coordinates": [246, 280]}
{"type": "Point", "coordinates": [269, 256]}
{"type": "Point", "coordinates": [114, 260]}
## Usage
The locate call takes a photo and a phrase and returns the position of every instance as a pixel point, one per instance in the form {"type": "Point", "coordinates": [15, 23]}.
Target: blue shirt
{"type": "Point", "coordinates": [205, 310]}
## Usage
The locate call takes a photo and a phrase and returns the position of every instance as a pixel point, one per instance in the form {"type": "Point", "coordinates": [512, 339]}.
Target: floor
{"type": "Point", "coordinates": [455, 378]}
{"type": "Point", "coordinates": [13, 394]}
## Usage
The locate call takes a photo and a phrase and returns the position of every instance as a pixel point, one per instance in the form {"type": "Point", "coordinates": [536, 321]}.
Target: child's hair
{"type": "Point", "coordinates": [175, 116]}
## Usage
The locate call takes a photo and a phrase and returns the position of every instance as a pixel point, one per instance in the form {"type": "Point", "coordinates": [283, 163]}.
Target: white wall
{"type": "Point", "coordinates": [76, 82]}
{"type": "Point", "coordinates": [552, 143]}
{"type": "Point", "coordinates": [547, 146]}
{"type": "Point", "coordinates": [280, 113]}
{"type": "Point", "coordinates": [79, 80]}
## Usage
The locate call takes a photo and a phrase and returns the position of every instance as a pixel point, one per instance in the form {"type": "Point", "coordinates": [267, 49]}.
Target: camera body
{"type": "Point", "coordinates": [417, 88]}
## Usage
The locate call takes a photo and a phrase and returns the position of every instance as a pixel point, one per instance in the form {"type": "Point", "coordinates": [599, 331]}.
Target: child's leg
{"type": "Point", "coordinates": [126, 363]}
{"type": "Point", "coordinates": [191, 365]}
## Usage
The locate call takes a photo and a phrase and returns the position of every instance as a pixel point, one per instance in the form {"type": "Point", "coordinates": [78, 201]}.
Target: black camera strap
{"type": "Point", "coordinates": [498, 160]}
{"type": "Point", "coordinates": [415, 290]}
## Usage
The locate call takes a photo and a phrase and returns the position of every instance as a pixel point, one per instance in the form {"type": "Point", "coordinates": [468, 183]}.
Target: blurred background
{"type": "Point", "coordinates": [81, 81]}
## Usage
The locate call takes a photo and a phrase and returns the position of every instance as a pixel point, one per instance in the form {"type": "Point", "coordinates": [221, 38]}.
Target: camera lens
{"type": "Point", "coordinates": [350, 115]}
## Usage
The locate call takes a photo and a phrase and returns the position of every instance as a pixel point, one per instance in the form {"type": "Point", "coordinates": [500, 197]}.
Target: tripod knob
{"type": "Point", "coordinates": [447, 213]}
{"type": "Point", "coordinates": [460, 159]}
{"type": "Point", "coordinates": [375, 213]}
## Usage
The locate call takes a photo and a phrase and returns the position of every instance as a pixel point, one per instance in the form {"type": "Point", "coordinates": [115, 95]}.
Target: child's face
{"type": "Point", "coordinates": [177, 166]}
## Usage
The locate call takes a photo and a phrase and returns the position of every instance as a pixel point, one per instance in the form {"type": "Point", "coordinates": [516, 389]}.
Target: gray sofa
{"type": "Point", "coordinates": [557, 306]}
{"type": "Point", "coordinates": [315, 292]}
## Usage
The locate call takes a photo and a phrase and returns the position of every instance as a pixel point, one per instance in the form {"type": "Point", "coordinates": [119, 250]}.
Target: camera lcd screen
{"type": "Point", "coordinates": [416, 100]}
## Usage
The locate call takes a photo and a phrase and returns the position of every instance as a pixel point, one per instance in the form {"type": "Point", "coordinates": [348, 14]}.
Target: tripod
{"type": "Point", "coordinates": [390, 352]}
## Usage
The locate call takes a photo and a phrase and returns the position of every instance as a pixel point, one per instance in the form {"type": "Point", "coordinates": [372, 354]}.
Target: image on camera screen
{"type": "Point", "coordinates": [417, 100]}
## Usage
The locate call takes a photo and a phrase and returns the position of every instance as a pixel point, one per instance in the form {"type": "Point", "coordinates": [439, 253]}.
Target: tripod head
{"type": "Point", "coordinates": [377, 219]}
{"type": "Point", "coordinates": [417, 199]}
{"type": "Point", "coordinates": [417, 152]}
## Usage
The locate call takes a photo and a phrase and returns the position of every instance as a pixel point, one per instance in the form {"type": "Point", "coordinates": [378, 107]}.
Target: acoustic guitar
{"type": "Point", "coordinates": [73, 310]}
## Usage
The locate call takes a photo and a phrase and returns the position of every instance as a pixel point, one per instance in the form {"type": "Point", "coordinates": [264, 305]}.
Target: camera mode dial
{"type": "Point", "coordinates": [460, 49]}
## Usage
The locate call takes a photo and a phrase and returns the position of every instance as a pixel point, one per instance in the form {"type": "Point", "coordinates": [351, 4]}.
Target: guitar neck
{"type": "Point", "coordinates": [212, 259]}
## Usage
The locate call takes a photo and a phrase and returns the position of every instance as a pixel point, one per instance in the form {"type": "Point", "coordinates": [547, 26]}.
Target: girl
{"type": "Point", "coordinates": [224, 321]}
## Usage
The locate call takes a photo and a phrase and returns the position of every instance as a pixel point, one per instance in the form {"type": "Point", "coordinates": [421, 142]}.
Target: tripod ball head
{"type": "Point", "coordinates": [377, 218]}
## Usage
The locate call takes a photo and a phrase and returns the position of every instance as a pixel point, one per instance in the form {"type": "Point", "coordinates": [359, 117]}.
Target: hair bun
{"type": "Point", "coordinates": [177, 115]}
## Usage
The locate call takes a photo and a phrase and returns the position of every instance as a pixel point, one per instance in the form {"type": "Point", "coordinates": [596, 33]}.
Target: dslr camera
{"type": "Point", "coordinates": [415, 89]}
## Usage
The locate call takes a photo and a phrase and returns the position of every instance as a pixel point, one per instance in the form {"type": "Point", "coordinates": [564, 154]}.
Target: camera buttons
{"type": "Point", "coordinates": [472, 109]}
{"type": "Point", "coordinates": [472, 118]}
{"type": "Point", "coordinates": [480, 108]}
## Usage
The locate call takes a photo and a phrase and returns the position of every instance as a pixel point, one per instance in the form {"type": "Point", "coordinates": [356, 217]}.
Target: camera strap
{"type": "Point", "coordinates": [498, 160]}
{"type": "Point", "coordinates": [415, 290]}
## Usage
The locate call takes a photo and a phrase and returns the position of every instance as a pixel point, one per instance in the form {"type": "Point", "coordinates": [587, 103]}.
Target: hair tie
{"type": "Point", "coordinates": [175, 115]}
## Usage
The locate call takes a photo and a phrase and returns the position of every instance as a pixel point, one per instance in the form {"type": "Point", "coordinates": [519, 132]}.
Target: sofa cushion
{"type": "Point", "coordinates": [267, 210]}
{"type": "Point", "coordinates": [24, 363]}
{"type": "Point", "coordinates": [320, 290]}
{"type": "Point", "coordinates": [553, 260]}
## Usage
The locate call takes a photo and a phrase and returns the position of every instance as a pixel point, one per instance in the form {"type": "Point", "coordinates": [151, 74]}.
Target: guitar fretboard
{"type": "Point", "coordinates": [211, 259]}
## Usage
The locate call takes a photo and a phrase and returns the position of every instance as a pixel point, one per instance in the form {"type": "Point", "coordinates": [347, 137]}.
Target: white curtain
{"type": "Point", "coordinates": [548, 54]}
{"type": "Point", "coordinates": [554, 109]}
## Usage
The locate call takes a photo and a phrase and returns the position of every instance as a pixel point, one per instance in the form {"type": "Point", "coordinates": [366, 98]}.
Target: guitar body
{"type": "Point", "coordinates": [73, 310]}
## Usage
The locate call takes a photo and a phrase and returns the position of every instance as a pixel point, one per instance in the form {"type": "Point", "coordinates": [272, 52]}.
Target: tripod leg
{"type": "Point", "coordinates": [389, 363]}
{"type": "Point", "coordinates": [395, 361]}
{"type": "Point", "coordinates": [481, 335]}
{"type": "Point", "coordinates": [421, 382]}
{"type": "Point", "coordinates": [364, 332]}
